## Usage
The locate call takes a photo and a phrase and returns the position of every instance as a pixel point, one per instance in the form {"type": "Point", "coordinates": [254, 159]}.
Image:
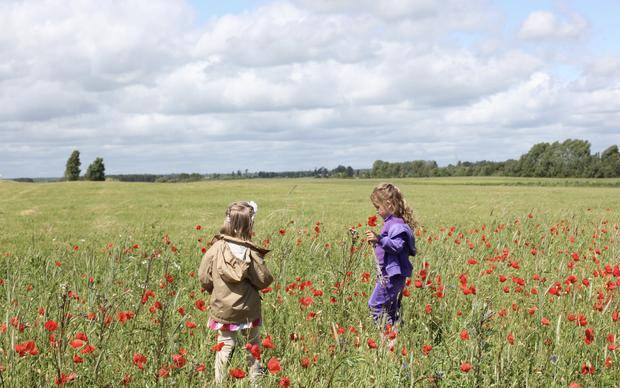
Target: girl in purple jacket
{"type": "Point", "coordinates": [392, 246]}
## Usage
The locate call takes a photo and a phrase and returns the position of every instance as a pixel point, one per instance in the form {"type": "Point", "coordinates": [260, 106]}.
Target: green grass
{"type": "Point", "coordinates": [41, 224]}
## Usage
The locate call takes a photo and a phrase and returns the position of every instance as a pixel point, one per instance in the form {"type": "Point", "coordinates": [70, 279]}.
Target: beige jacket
{"type": "Point", "coordinates": [233, 282]}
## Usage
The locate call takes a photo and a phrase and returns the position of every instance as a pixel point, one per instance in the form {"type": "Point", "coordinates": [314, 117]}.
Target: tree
{"type": "Point", "coordinates": [96, 171]}
{"type": "Point", "coordinates": [72, 170]}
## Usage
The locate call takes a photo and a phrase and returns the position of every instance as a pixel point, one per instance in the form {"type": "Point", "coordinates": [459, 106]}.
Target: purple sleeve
{"type": "Point", "coordinates": [393, 244]}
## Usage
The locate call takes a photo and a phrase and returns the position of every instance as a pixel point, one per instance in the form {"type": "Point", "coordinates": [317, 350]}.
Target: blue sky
{"type": "Point", "coordinates": [161, 86]}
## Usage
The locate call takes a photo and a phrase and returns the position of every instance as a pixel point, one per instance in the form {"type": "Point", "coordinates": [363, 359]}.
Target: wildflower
{"type": "Point", "coordinates": [273, 365]}
{"type": "Point", "coordinates": [426, 349]}
{"type": "Point", "coordinates": [236, 373]}
{"type": "Point", "coordinates": [371, 343]}
{"type": "Point", "coordinates": [63, 379]}
{"type": "Point", "coordinates": [464, 335]}
{"type": "Point", "coordinates": [304, 362]}
{"type": "Point", "coordinates": [510, 338]}
{"type": "Point", "coordinates": [51, 325]}
{"type": "Point", "coordinates": [200, 305]}
{"type": "Point", "coordinates": [178, 360]}
{"type": "Point", "coordinates": [139, 360]}
{"type": "Point", "coordinates": [217, 347]}
{"type": "Point", "coordinates": [465, 367]}
{"type": "Point", "coordinates": [285, 382]}
{"type": "Point", "coordinates": [254, 349]}
{"type": "Point", "coordinates": [28, 347]}
{"type": "Point", "coordinates": [372, 221]}
{"type": "Point", "coordinates": [545, 321]}
{"type": "Point", "coordinates": [268, 343]}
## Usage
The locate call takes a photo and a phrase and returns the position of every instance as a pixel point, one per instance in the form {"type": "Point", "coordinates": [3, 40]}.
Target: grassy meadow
{"type": "Point", "coordinates": [516, 283]}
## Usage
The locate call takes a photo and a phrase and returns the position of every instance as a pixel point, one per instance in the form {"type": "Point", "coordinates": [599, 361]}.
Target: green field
{"type": "Point", "coordinates": [82, 254]}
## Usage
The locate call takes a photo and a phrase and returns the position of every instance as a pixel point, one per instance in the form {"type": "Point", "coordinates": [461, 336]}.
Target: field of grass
{"type": "Point", "coordinates": [516, 280]}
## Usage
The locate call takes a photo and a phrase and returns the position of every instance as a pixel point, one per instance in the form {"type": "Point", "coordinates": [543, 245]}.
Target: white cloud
{"type": "Point", "coordinates": [544, 25]}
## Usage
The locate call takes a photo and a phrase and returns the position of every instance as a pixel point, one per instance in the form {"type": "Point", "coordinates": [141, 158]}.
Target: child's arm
{"type": "Point", "coordinates": [393, 244]}
{"type": "Point", "coordinates": [397, 239]}
{"type": "Point", "coordinates": [258, 273]}
{"type": "Point", "coordinates": [204, 271]}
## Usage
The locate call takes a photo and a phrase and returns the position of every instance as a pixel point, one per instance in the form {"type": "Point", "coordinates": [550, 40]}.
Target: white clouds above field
{"type": "Point", "coordinates": [160, 86]}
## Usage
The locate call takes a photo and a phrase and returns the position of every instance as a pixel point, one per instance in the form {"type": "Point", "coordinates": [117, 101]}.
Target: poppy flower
{"type": "Point", "coordinates": [268, 343]}
{"type": "Point", "coordinates": [28, 347]}
{"type": "Point", "coordinates": [464, 335]}
{"type": "Point", "coordinates": [304, 362]}
{"type": "Point", "coordinates": [284, 382]}
{"type": "Point", "coordinates": [371, 343]}
{"type": "Point", "coordinates": [51, 325]}
{"type": "Point", "coordinates": [63, 379]}
{"type": "Point", "coordinates": [372, 221]}
{"type": "Point", "coordinates": [200, 305]}
{"type": "Point", "coordinates": [236, 373]}
{"type": "Point", "coordinates": [81, 336]}
{"type": "Point", "coordinates": [217, 347]}
{"type": "Point", "coordinates": [139, 360]}
{"type": "Point", "coordinates": [254, 350]}
{"type": "Point", "coordinates": [426, 349]}
{"type": "Point", "coordinates": [273, 365]}
{"type": "Point", "coordinates": [465, 367]}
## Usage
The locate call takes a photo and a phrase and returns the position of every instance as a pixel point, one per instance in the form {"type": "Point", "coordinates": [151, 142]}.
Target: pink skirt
{"type": "Point", "coordinates": [215, 325]}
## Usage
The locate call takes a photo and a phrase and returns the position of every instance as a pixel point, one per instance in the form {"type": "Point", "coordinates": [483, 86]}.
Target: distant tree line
{"type": "Point", "coordinates": [571, 158]}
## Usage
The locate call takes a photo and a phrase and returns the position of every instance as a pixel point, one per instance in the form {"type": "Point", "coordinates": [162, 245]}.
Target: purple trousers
{"type": "Point", "coordinates": [384, 302]}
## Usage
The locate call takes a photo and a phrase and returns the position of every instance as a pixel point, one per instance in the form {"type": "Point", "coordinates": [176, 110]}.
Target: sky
{"type": "Point", "coordinates": [164, 86]}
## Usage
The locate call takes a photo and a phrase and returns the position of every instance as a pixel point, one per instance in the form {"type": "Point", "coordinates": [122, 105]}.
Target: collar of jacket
{"type": "Point", "coordinates": [247, 244]}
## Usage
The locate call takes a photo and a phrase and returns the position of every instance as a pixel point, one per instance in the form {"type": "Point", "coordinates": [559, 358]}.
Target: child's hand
{"type": "Point", "coordinates": [371, 237]}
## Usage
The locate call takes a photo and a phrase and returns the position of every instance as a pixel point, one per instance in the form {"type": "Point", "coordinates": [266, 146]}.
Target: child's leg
{"type": "Point", "coordinates": [253, 338]}
{"type": "Point", "coordinates": [222, 357]}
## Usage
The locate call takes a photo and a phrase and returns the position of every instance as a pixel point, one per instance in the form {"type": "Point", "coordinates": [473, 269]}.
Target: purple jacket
{"type": "Point", "coordinates": [394, 246]}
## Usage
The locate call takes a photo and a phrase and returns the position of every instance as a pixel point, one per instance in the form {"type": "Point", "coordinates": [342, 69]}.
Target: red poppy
{"type": "Point", "coordinates": [51, 325]}
{"type": "Point", "coordinates": [371, 343]}
{"type": "Point", "coordinates": [28, 347]}
{"type": "Point", "coordinates": [465, 367]}
{"type": "Point", "coordinates": [273, 365]}
{"type": "Point", "coordinates": [81, 336]}
{"type": "Point", "coordinates": [63, 379]}
{"type": "Point", "coordinates": [589, 336]}
{"type": "Point", "coordinates": [217, 347]}
{"type": "Point", "coordinates": [139, 360]}
{"type": "Point", "coordinates": [285, 382]}
{"type": "Point", "coordinates": [254, 350]}
{"type": "Point", "coordinates": [464, 335]}
{"type": "Point", "coordinates": [268, 343]}
{"type": "Point", "coordinates": [236, 373]}
{"type": "Point", "coordinates": [510, 338]}
{"type": "Point", "coordinates": [200, 305]}
{"type": "Point", "coordinates": [304, 362]}
{"type": "Point", "coordinates": [178, 360]}
{"type": "Point", "coordinates": [426, 349]}
{"type": "Point", "coordinates": [372, 221]}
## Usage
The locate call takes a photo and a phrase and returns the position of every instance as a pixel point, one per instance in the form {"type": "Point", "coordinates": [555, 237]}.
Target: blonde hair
{"type": "Point", "coordinates": [391, 198]}
{"type": "Point", "coordinates": [239, 220]}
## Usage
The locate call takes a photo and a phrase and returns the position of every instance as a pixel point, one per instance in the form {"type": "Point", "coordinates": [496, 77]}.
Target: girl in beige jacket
{"type": "Point", "coordinates": [233, 272]}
